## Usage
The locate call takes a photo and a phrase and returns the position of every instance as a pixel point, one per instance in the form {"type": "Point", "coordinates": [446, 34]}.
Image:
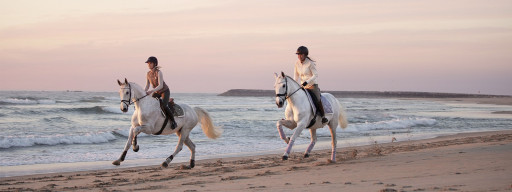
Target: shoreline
{"type": "Point", "coordinates": [364, 94]}
{"type": "Point", "coordinates": [352, 171]}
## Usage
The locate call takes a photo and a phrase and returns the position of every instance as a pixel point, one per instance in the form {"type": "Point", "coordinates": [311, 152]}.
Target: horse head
{"type": "Point", "coordinates": [125, 93]}
{"type": "Point", "coordinates": [281, 89]}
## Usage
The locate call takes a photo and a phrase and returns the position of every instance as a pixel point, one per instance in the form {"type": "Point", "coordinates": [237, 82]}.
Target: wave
{"type": "Point", "coordinates": [399, 123]}
{"type": "Point", "coordinates": [56, 119]}
{"type": "Point", "coordinates": [25, 101]}
{"type": "Point", "coordinates": [113, 98]}
{"type": "Point", "coordinates": [99, 99]}
{"type": "Point", "coordinates": [28, 141]}
{"type": "Point", "coordinates": [126, 133]}
{"type": "Point", "coordinates": [97, 110]}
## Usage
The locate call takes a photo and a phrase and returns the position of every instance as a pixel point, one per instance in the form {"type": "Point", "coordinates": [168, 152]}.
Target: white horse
{"type": "Point", "coordinates": [299, 113]}
{"type": "Point", "coordinates": [147, 118]}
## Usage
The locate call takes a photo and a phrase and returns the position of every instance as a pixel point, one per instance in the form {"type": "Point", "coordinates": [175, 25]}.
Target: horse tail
{"type": "Point", "coordinates": [342, 117]}
{"type": "Point", "coordinates": [209, 129]}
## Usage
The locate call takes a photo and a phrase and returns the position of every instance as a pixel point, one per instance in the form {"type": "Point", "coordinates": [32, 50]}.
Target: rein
{"type": "Point", "coordinates": [129, 102]}
{"type": "Point", "coordinates": [285, 94]}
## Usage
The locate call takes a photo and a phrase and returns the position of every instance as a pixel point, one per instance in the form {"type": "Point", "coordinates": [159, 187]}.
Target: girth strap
{"type": "Point", "coordinates": [165, 122]}
{"type": "Point", "coordinates": [163, 126]}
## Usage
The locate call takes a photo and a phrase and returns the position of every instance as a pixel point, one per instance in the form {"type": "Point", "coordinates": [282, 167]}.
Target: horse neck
{"type": "Point", "coordinates": [138, 93]}
{"type": "Point", "coordinates": [297, 97]}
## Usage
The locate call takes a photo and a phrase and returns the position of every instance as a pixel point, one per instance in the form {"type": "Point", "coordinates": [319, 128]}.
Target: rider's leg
{"type": "Point", "coordinates": [167, 108]}
{"type": "Point", "coordinates": [318, 101]}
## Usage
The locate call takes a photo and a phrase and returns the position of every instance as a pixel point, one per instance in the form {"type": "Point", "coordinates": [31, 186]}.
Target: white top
{"type": "Point", "coordinates": [305, 72]}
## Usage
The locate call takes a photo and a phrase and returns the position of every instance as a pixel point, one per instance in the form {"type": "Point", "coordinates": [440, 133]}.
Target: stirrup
{"type": "Point", "coordinates": [173, 125]}
{"type": "Point", "coordinates": [324, 120]}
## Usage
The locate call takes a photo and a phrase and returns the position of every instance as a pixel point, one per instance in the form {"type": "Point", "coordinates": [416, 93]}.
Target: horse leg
{"type": "Point", "coordinates": [332, 127]}
{"type": "Point", "coordinates": [192, 148]}
{"type": "Point", "coordinates": [312, 144]}
{"type": "Point", "coordinates": [287, 123]}
{"type": "Point", "coordinates": [183, 134]}
{"type": "Point", "coordinates": [134, 144]}
{"type": "Point", "coordinates": [296, 134]}
{"type": "Point", "coordinates": [126, 147]}
{"type": "Point", "coordinates": [136, 132]}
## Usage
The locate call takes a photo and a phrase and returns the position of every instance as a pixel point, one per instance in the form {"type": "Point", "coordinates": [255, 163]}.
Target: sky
{"type": "Point", "coordinates": [456, 46]}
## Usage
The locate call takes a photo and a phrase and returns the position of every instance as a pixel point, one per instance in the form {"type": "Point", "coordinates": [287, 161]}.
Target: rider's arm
{"type": "Point", "coordinates": [160, 82]}
{"type": "Point", "coordinates": [312, 68]}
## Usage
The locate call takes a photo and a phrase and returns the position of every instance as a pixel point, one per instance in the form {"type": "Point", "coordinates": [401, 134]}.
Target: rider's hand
{"type": "Point", "coordinates": [304, 84]}
{"type": "Point", "coordinates": [148, 92]}
{"type": "Point", "coordinates": [155, 95]}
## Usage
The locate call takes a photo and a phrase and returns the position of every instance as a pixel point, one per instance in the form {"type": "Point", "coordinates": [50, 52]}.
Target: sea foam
{"type": "Point", "coordinates": [27, 141]}
{"type": "Point", "coordinates": [398, 123]}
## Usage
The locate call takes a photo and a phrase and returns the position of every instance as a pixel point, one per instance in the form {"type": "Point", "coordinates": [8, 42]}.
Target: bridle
{"type": "Point", "coordinates": [285, 94]}
{"type": "Point", "coordinates": [129, 102]}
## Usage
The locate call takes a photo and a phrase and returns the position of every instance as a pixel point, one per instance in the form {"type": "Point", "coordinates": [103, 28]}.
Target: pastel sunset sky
{"type": "Point", "coordinates": [457, 46]}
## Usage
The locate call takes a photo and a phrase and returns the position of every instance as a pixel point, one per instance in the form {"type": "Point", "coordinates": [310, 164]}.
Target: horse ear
{"type": "Point", "coordinates": [282, 74]}
{"type": "Point", "coordinates": [119, 82]}
{"type": "Point", "coordinates": [275, 74]}
{"type": "Point", "coordinates": [125, 81]}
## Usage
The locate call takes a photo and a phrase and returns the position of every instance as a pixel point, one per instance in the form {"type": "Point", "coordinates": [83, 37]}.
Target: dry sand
{"type": "Point", "coordinates": [463, 162]}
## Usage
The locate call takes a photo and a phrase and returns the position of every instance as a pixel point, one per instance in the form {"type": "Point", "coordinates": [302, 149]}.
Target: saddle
{"type": "Point", "coordinates": [176, 109]}
{"type": "Point", "coordinates": [325, 103]}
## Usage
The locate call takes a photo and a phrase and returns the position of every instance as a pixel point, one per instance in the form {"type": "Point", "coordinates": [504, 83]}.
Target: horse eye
{"type": "Point", "coordinates": [127, 92]}
{"type": "Point", "coordinates": [283, 85]}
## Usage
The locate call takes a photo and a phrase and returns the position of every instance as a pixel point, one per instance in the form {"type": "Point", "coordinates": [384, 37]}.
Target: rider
{"type": "Point", "coordinates": [305, 72]}
{"type": "Point", "coordinates": [160, 88]}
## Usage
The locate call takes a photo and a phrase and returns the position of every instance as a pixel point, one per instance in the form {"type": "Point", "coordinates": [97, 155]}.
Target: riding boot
{"type": "Point", "coordinates": [170, 115]}
{"type": "Point", "coordinates": [318, 104]}
{"type": "Point", "coordinates": [320, 108]}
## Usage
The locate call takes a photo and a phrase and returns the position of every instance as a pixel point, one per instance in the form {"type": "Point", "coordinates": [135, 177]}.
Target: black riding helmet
{"type": "Point", "coordinates": [302, 50]}
{"type": "Point", "coordinates": [152, 59]}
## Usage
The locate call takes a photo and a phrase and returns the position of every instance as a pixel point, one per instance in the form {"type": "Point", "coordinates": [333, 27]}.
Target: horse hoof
{"type": "Point", "coordinates": [136, 148]}
{"type": "Point", "coordinates": [285, 158]}
{"type": "Point", "coordinates": [306, 155]}
{"type": "Point", "coordinates": [116, 162]}
{"type": "Point", "coordinates": [287, 140]}
{"type": "Point", "coordinates": [192, 163]}
{"type": "Point", "coordinates": [165, 164]}
{"type": "Point", "coordinates": [331, 161]}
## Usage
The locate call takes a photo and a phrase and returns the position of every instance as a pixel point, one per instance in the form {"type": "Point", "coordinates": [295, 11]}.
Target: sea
{"type": "Point", "coordinates": [59, 131]}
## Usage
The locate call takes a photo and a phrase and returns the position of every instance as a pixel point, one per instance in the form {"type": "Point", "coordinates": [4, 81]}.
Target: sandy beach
{"type": "Point", "coordinates": [463, 162]}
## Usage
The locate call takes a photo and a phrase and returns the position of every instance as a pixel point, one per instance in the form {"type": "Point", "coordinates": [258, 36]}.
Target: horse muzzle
{"type": "Point", "coordinates": [124, 108]}
{"type": "Point", "coordinates": [279, 104]}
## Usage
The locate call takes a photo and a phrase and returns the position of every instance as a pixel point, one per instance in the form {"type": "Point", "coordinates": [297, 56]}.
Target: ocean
{"type": "Point", "coordinates": [44, 130]}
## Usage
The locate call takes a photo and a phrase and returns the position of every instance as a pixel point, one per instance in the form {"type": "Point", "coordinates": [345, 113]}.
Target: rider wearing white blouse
{"type": "Point", "coordinates": [306, 74]}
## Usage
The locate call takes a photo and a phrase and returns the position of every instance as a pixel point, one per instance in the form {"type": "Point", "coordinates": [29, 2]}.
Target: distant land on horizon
{"type": "Point", "coordinates": [362, 94]}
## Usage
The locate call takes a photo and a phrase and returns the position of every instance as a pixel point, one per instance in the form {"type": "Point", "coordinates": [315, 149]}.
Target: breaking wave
{"type": "Point", "coordinates": [60, 139]}
{"type": "Point", "coordinates": [25, 101]}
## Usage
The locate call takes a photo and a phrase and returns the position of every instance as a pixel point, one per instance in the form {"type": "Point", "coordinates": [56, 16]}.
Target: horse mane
{"type": "Point", "coordinates": [293, 80]}
{"type": "Point", "coordinates": [137, 87]}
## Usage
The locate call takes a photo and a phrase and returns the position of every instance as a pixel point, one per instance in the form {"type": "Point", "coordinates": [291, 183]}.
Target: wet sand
{"type": "Point", "coordinates": [463, 162]}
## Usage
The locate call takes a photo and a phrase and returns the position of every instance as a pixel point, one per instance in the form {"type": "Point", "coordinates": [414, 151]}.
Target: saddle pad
{"type": "Point", "coordinates": [177, 111]}
{"type": "Point", "coordinates": [327, 105]}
